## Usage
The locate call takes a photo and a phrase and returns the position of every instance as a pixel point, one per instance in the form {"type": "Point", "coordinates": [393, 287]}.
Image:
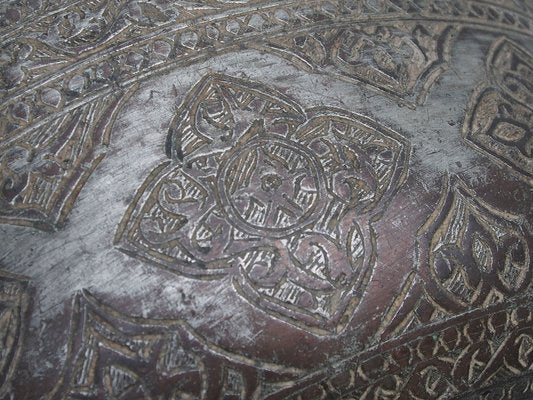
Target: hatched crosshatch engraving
{"type": "Point", "coordinates": [252, 199]}
{"type": "Point", "coordinates": [286, 197]}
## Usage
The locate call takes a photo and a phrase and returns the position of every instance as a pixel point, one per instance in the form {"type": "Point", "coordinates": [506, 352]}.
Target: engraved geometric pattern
{"type": "Point", "coordinates": [287, 199]}
{"type": "Point", "coordinates": [499, 117]}
{"type": "Point", "coordinates": [126, 358]}
{"type": "Point", "coordinates": [65, 80]}
{"type": "Point", "coordinates": [266, 200]}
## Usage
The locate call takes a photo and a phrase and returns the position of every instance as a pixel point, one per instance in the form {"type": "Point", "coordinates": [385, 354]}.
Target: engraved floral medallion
{"type": "Point", "coordinates": [279, 198]}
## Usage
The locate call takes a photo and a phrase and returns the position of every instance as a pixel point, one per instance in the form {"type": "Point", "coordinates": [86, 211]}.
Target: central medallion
{"type": "Point", "coordinates": [271, 187]}
{"type": "Point", "coordinates": [278, 198]}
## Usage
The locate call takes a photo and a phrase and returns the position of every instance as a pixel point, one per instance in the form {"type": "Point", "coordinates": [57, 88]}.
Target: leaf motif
{"type": "Point", "coordinates": [364, 162]}
{"type": "Point", "coordinates": [475, 254]}
{"type": "Point", "coordinates": [152, 12]}
{"type": "Point", "coordinates": [282, 207]}
{"type": "Point", "coordinates": [109, 352]}
{"type": "Point", "coordinates": [401, 60]}
{"type": "Point", "coordinates": [511, 68]}
{"type": "Point", "coordinates": [59, 156]}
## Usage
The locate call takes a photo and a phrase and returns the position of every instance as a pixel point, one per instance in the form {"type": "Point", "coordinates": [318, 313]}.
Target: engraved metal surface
{"type": "Point", "coordinates": [279, 198]}
{"type": "Point", "coordinates": [326, 199]}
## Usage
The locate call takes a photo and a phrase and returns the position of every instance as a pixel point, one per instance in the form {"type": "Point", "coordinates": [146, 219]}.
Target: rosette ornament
{"type": "Point", "coordinates": [279, 199]}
